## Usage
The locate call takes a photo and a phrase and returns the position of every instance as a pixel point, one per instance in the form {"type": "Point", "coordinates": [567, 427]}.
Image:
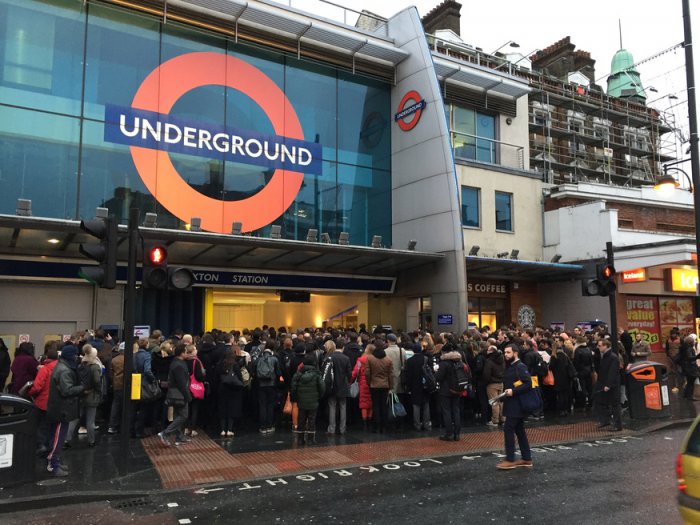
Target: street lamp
{"type": "Point", "coordinates": [668, 182]}
{"type": "Point", "coordinates": [510, 43]}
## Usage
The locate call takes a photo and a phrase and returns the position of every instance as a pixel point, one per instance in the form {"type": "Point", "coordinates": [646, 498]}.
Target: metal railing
{"type": "Point", "coordinates": [489, 151]}
{"type": "Point", "coordinates": [340, 13]}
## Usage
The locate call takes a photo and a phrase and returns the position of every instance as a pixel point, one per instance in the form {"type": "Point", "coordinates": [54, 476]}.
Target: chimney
{"type": "Point", "coordinates": [444, 16]}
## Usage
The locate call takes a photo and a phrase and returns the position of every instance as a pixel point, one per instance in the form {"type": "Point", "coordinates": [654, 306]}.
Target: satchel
{"type": "Point", "coordinates": [150, 391]}
{"type": "Point", "coordinates": [530, 401]}
{"type": "Point", "coordinates": [174, 398]}
{"type": "Point", "coordinates": [231, 380]}
{"type": "Point", "coordinates": [196, 387]}
{"type": "Point", "coordinates": [396, 409]}
{"type": "Point", "coordinates": [355, 386]}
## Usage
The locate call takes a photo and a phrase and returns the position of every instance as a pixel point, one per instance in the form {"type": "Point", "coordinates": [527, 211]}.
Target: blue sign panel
{"type": "Point", "coordinates": [444, 319]}
{"type": "Point", "coordinates": [236, 279]}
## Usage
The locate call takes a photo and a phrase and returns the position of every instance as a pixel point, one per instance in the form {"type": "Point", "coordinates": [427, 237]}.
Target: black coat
{"type": "Point", "coordinates": [583, 361]}
{"type": "Point", "coordinates": [608, 375]}
{"type": "Point", "coordinates": [494, 368]}
{"type": "Point", "coordinates": [179, 378]}
{"type": "Point", "coordinates": [515, 372]}
{"type": "Point", "coordinates": [445, 374]}
{"type": "Point", "coordinates": [414, 378]}
{"type": "Point", "coordinates": [353, 351]}
{"type": "Point", "coordinates": [65, 390]}
{"type": "Point", "coordinates": [563, 371]}
{"type": "Point", "coordinates": [342, 373]}
{"type": "Point", "coordinates": [687, 360]}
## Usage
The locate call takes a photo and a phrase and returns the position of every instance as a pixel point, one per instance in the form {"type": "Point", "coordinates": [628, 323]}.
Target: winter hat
{"type": "Point", "coordinates": [310, 360]}
{"type": "Point", "coordinates": [391, 337]}
{"type": "Point", "coordinates": [69, 354]}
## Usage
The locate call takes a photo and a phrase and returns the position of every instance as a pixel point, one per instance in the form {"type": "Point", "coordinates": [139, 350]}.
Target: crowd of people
{"type": "Point", "coordinates": [224, 382]}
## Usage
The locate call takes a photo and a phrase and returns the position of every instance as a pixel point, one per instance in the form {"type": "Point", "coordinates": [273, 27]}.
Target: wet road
{"type": "Point", "coordinates": [625, 480]}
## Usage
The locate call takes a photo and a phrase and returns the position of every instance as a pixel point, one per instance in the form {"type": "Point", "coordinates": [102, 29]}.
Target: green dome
{"type": "Point", "coordinates": [624, 80]}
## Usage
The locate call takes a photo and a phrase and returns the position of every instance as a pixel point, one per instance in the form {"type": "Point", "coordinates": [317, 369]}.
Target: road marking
{"type": "Point", "coordinates": [204, 491]}
{"type": "Point", "coordinates": [184, 521]}
{"type": "Point", "coordinates": [171, 505]}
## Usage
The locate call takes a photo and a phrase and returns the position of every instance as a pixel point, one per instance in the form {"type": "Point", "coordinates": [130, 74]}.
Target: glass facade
{"type": "Point", "coordinates": [473, 134]}
{"type": "Point", "coordinates": [62, 62]}
{"type": "Point", "coordinates": [470, 207]}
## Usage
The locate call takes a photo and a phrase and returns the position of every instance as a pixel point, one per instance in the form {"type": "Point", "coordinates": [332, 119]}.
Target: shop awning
{"type": "Point", "coordinates": [516, 269]}
{"type": "Point", "coordinates": [36, 237]}
{"type": "Point", "coordinates": [681, 251]}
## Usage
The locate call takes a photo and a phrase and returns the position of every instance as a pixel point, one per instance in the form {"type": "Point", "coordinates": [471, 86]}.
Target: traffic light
{"type": "Point", "coordinates": [105, 274]}
{"type": "Point", "coordinates": [604, 283]}
{"type": "Point", "coordinates": [155, 268]}
{"type": "Point", "coordinates": [157, 275]}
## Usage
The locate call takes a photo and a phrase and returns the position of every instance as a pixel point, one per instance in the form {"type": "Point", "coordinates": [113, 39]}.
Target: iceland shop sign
{"type": "Point", "coordinates": [152, 134]}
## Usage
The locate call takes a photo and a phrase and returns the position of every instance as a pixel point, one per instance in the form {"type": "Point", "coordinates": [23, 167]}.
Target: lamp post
{"type": "Point", "coordinates": [510, 43]}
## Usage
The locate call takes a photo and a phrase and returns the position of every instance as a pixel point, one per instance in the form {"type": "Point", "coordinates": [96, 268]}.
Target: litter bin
{"type": "Point", "coordinates": [647, 390]}
{"type": "Point", "coordinates": [17, 440]}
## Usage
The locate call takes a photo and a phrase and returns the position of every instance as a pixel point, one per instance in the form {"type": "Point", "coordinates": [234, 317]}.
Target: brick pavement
{"type": "Point", "coordinates": [203, 460]}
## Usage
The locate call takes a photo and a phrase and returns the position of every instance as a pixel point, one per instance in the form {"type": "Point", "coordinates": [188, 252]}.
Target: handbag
{"type": "Point", "coordinates": [196, 387]}
{"type": "Point", "coordinates": [174, 398]}
{"type": "Point", "coordinates": [355, 386]}
{"type": "Point", "coordinates": [287, 405]}
{"type": "Point", "coordinates": [231, 380]}
{"type": "Point", "coordinates": [396, 409]}
{"type": "Point", "coordinates": [548, 379]}
{"type": "Point", "coordinates": [150, 391]}
{"type": "Point", "coordinates": [530, 401]}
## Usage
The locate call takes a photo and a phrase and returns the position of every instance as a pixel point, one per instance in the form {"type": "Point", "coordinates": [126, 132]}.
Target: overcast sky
{"type": "Point", "coordinates": [648, 28]}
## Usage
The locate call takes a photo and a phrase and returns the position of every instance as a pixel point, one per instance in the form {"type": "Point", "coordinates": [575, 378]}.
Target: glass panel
{"type": "Point", "coordinates": [364, 208]}
{"type": "Point", "coordinates": [504, 202]}
{"type": "Point", "coordinates": [486, 128]}
{"type": "Point", "coordinates": [364, 133]}
{"type": "Point", "coordinates": [38, 161]}
{"type": "Point", "coordinates": [41, 55]}
{"type": "Point", "coordinates": [493, 312]}
{"type": "Point", "coordinates": [465, 129]}
{"type": "Point", "coordinates": [122, 49]}
{"type": "Point", "coordinates": [470, 207]}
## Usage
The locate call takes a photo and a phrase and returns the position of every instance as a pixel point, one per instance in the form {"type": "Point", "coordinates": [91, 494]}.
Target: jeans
{"type": "Point", "coordinates": [341, 403]}
{"type": "Point", "coordinates": [379, 407]}
{"type": "Point", "coordinates": [421, 415]}
{"type": "Point", "coordinates": [90, 414]}
{"type": "Point", "coordinates": [450, 414]}
{"type": "Point", "coordinates": [266, 404]}
{"type": "Point", "coordinates": [179, 421]}
{"type": "Point", "coordinates": [115, 415]}
{"type": "Point", "coordinates": [515, 426]}
{"type": "Point", "coordinates": [58, 436]}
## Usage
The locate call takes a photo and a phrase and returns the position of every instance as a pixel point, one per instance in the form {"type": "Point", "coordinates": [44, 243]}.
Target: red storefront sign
{"type": "Point", "coordinates": [634, 276]}
{"type": "Point", "coordinates": [643, 317]}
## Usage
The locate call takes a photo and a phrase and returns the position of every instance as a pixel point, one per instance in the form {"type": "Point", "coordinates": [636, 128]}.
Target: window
{"type": "Point", "coordinates": [575, 125]}
{"type": "Point", "coordinates": [504, 211]}
{"type": "Point", "coordinates": [473, 134]}
{"type": "Point", "coordinates": [470, 207]}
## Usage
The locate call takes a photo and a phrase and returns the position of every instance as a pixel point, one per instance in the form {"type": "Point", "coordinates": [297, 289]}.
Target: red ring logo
{"type": "Point", "coordinates": [161, 90]}
{"type": "Point", "coordinates": [414, 109]}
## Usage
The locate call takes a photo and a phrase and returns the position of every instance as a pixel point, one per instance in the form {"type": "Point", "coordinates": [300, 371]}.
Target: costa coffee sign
{"type": "Point", "coordinates": [487, 288]}
{"type": "Point", "coordinates": [634, 276]}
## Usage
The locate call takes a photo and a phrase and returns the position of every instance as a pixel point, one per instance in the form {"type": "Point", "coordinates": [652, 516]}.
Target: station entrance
{"type": "Point", "coordinates": [236, 310]}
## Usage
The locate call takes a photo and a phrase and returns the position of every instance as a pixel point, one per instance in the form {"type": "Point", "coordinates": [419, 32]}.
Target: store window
{"type": "Point", "coordinates": [486, 311]}
{"type": "Point", "coordinates": [470, 207]}
{"type": "Point", "coordinates": [504, 211]}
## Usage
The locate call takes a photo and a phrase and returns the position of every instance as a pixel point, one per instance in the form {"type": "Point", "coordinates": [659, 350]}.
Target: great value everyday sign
{"type": "Point", "coordinates": [152, 134]}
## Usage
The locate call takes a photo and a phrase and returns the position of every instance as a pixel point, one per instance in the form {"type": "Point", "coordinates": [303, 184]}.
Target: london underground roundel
{"type": "Point", "coordinates": [409, 110]}
{"type": "Point", "coordinates": [153, 134]}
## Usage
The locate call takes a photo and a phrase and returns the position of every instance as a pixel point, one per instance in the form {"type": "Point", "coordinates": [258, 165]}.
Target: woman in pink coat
{"type": "Point", "coordinates": [365, 395]}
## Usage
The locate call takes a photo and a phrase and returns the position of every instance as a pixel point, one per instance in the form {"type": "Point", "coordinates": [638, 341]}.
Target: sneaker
{"type": "Point", "coordinates": [492, 424]}
{"type": "Point", "coordinates": [163, 440]}
{"type": "Point", "coordinates": [193, 433]}
{"type": "Point", "coordinates": [524, 463]}
{"type": "Point", "coordinates": [675, 390]}
{"type": "Point", "coordinates": [111, 430]}
{"type": "Point", "coordinates": [507, 465]}
{"type": "Point", "coordinates": [183, 441]}
{"type": "Point", "coordinates": [58, 472]}
{"type": "Point", "coordinates": [271, 430]}
{"type": "Point", "coordinates": [82, 430]}
{"type": "Point", "coordinates": [223, 433]}
{"type": "Point", "coordinates": [229, 434]}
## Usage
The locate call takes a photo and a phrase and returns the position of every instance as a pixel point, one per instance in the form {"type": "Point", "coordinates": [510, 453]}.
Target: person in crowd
{"type": "Point", "coordinates": [493, 379]}
{"type": "Point", "coordinates": [24, 367]}
{"type": "Point", "coordinates": [606, 392]}
{"type": "Point", "coordinates": [295, 365]}
{"type": "Point", "coordinates": [640, 349]}
{"type": "Point", "coordinates": [5, 364]}
{"type": "Point", "coordinates": [353, 347]}
{"type": "Point", "coordinates": [583, 363]}
{"type": "Point", "coordinates": [380, 376]}
{"type": "Point", "coordinates": [179, 397]}
{"type": "Point", "coordinates": [398, 362]}
{"type": "Point", "coordinates": [337, 398]}
{"type": "Point", "coordinates": [687, 359]}
{"type": "Point", "coordinates": [229, 392]}
{"type": "Point", "coordinates": [197, 371]}
{"type": "Point", "coordinates": [116, 379]}
{"type": "Point", "coordinates": [672, 348]}
{"type": "Point", "coordinates": [39, 392]}
{"type": "Point", "coordinates": [92, 373]}
{"type": "Point", "coordinates": [161, 358]}
{"type": "Point", "coordinates": [358, 373]}
{"type": "Point", "coordinates": [308, 389]}
{"type": "Point", "coordinates": [142, 410]}
{"type": "Point", "coordinates": [516, 381]}
{"type": "Point", "coordinates": [266, 371]}
{"type": "Point", "coordinates": [63, 405]}
{"type": "Point", "coordinates": [449, 397]}
{"type": "Point", "coordinates": [563, 371]}
{"type": "Point", "coordinates": [417, 393]}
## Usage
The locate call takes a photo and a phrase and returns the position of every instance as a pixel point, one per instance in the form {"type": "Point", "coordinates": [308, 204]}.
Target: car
{"type": "Point", "coordinates": [688, 474]}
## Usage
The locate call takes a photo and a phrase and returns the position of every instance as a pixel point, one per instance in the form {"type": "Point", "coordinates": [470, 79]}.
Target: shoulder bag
{"type": "Point", "coordinates": [174, 398]}
{"type": "Point", "coordinates": [196, 387]}
{"type": "Point", "coordinates": [530, 401]}
{"type": "Point", "coordinates": [355, 386]}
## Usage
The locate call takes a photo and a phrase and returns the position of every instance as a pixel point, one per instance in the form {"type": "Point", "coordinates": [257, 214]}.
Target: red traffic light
{"type": "Point", "coordinates": [607, 271]}
{"type": "Point", "coordinates": [157, 256]}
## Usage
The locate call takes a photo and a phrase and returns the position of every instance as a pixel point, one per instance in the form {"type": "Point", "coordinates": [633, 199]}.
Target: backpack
{"type": "Point", "coordinates": [461, 381]}
{"type": "Point", "coordinates": [84, 375]}
{"type": "Point", "coordinates": [264, 367]}
{"type": "Point", "coordinates": [246, 376]}
{"type": "Point", "coordinates": [428, 377]}
{"type": "Point", "coordinates": [256, 352]}
{"type": "Point", "coordinates": [328, 374]}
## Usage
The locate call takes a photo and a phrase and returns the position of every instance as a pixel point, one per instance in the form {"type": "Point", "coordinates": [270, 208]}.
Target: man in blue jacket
{"type": "Point", "coordinates": [516, 381]}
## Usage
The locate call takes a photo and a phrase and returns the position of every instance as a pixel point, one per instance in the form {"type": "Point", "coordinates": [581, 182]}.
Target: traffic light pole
{"type": "Point", "coordinates": [128, 337]}
{"type": "Point", "coordinates": [613, 299]}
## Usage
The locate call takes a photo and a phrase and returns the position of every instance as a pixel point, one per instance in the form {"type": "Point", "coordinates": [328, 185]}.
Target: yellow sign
{"type": "Point", "coordinates": [681, 280]}
{"type": "Point", "coordinates": [135, 387]}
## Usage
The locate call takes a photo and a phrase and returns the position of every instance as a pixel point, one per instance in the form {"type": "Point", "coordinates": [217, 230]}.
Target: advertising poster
{"type": "Point", "coordinates": [643, 317]}
{"type": "Point", "coordinates": [676, 312]}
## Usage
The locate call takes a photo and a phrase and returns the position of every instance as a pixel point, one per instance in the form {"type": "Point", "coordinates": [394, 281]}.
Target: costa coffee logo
{"type": "Point", "coordinates": [412, 106]}
{"type": "Point", "coordinates": [153, 134]}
